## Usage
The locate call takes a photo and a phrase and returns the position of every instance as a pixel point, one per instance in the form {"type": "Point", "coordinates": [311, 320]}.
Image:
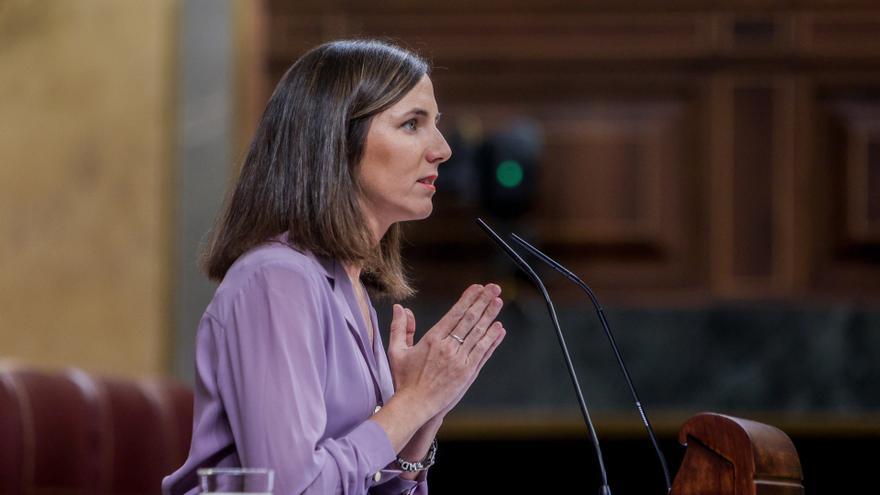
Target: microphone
{"type": "Point", "coordinates": [605, 489]}
{"type": "Point", "coordinates": [601, 312]}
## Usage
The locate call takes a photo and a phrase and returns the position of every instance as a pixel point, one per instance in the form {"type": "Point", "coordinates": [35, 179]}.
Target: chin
{"type": "Point", "coordinates": [427, 212]}
{"type": "Point", "coordinates": [419, 214]}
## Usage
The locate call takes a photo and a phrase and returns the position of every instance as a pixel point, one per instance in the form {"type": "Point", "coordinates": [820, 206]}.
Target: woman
{"type": "Point", "coordinates": [291, 373]}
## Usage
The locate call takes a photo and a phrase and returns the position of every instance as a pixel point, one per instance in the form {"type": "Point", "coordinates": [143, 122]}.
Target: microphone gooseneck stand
{"type": "Point", "coordinates": [605, 489]}
{"type": "Point", "coordinates": [601, 312]}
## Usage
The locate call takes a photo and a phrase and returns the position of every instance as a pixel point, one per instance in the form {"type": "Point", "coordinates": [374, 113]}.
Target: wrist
{"type": "Point", "coordinates": [417, 407]}
{"type": "Point", "coordinates": [410, 466]}
{"type": "Point", "coordinates": [434, 423]}
{"type": "Point", "coordinates": [401, 417]}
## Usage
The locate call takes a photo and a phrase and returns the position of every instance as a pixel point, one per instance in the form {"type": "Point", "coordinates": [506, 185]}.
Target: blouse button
{"type": "Point", "coordinates": [377, 409]}
{"type": "Point", "coordinates": [378, 476]}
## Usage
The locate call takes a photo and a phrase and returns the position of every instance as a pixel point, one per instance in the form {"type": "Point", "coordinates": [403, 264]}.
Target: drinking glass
{"type": "Point", "coordinates": [235, 481]}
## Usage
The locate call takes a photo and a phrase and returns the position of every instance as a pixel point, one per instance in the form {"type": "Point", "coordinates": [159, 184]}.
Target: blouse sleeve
{"type": "Point", "coordinates": [271, 386]}
{"type": "Point", "coordinates": [397, 485]}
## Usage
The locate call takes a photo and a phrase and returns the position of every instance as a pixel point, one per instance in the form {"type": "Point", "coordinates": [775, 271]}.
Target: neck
{"type": "Point", "coordinates": [377, 228]}
{"type": "Point", "coordinates": [353, 270]}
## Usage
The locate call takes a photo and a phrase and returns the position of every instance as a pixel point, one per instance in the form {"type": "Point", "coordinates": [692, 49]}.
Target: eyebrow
{"type": "Point", "coordinates": [423, 113]}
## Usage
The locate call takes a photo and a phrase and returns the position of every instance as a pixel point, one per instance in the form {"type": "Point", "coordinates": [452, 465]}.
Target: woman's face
{"type": "Point", "coordinates": [403, 150]}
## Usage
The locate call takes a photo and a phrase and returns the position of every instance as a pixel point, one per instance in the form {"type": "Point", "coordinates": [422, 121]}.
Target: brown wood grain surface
{"type": "Point", "coordinates": [692, 150]}
{"type": "Point", "coordinates": [733, 456]}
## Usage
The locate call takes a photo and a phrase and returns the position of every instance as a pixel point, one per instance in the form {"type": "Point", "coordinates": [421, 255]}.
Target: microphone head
{"type": "Point", "coordinates": [503, 245]}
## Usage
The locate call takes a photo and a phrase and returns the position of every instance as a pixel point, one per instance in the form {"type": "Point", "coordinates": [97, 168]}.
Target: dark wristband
{"type": "Point", "coordinates": [428, 461]}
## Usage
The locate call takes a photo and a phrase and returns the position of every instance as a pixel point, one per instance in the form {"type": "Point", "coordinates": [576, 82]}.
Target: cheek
{"type": "Point", "coordinates": [381, 154]}
{"type": "Point", "coordinates": [370, 170]}
{"type": "Point", "coordinates": [388, 167]}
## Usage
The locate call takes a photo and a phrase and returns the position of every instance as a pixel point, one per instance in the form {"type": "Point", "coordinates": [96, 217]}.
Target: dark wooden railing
{"type": "Point", "coordinates": [733, 456]}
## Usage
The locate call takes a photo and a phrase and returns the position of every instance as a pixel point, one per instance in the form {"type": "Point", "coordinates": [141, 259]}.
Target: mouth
{"type": "Point", "coordinates": [428, 181]}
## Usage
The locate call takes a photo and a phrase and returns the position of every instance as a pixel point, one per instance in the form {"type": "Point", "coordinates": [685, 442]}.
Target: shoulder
{"type": "Point", "coordinates": [270, 268]}
{"type": "Point", "coordinates": [272, 256]}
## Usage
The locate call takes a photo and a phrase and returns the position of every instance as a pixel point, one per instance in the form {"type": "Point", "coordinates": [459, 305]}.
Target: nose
{"type": "Point", "coordinates": [440, 150]}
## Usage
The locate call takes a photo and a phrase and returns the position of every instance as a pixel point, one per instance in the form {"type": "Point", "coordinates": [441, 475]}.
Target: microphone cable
{"type": "Point", "coordinates": [521, 263]}
{"type": "Point", "coordinates": [601, 312]}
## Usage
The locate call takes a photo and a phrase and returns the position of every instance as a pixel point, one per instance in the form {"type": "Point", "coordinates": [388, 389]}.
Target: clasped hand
{"type": "Point", "coordinates": [439, 369]}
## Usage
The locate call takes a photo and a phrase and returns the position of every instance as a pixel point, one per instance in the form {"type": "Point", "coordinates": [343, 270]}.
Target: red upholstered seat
{"type": "Point", "coordinates": [71, 433]}
{"type": "Point", "coordinates": [11, 438]}
{"type": "Point", "coordinates": [62, 432]}
{"type": "Point", "coordinates": [141, 432]}
{"type": "Point", "coordinates": [180, 398]}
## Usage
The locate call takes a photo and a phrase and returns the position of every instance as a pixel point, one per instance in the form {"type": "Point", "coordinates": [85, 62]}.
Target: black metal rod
{"type": "Point", "coordinates": [601, 312]}
{"type": "Point", "coordinates": [521, 263]}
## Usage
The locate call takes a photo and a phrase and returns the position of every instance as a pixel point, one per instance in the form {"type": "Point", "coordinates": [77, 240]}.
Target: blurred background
{"type": "Point", "coordinates": [710, 168]}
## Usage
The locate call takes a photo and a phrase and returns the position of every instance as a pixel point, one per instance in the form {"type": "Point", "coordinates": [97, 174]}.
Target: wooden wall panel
{"type": "Point", "coordinates": [550, 35]}
{"type": "Point", "coordinates": [603, 174]}
{"type": "Point", "coordinates": [753, 186]}
{"type": "Point", "coordinates": [754, 34]}
{"type": "Point", "coordinates": [861, 121]}
{"type": "Point", "coordinates": [688, 146]}
{"type": "Point", "coordinates": [619, 178]}
{"type": "Point", "coordinates": [839, 34]}
{"type": "Point", "coordinates": [752, 182]}
{"type": "Point", "coordinates": [846, 237]}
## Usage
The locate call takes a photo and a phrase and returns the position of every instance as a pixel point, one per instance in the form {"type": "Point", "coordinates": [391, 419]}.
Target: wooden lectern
{"type": "Point", "coordinates": [733, 456]}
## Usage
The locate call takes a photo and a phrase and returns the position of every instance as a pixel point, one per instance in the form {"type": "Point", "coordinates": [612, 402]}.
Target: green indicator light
{"type": "Point", "coordinates": [509, 173]}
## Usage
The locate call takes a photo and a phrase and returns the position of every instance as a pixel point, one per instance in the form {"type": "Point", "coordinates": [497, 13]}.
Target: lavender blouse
{"type": "Point", "coordinates": [286, 378]}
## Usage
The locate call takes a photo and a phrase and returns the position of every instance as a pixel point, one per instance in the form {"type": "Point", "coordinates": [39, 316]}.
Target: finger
{"type": "Point", "coordinates": [483, 324]}
{"type": "Point", "coordinates": [485, 357]}
{"type": "Point", "coordinates": [397, 332]}
{"type": "Point", "coordinates": [450, 319]}
{"type": "Point", "coordinates": [492, 347]}
{"type": "Point", "coordinates": [475, 311]}
{"type": "Point", "coordinates": [481, 352]}
{"type": "Point", "coordinates": [410, 327]}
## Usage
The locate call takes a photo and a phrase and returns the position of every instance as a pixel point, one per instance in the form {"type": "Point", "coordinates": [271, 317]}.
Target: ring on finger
{"type": "Point", "coordinates": [457, 338]}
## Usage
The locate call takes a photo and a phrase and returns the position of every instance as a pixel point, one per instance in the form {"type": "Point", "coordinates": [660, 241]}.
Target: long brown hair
{"type": "Point", "coordinates": [300, 171]}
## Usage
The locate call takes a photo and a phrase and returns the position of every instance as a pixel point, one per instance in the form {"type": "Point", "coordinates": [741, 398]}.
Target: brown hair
{"type": "Point", "coordinates": [300, 171]}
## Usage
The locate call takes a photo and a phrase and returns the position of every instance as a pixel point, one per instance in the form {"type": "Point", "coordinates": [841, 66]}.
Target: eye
{"type": "Point", "coordinates": [410, 125]}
